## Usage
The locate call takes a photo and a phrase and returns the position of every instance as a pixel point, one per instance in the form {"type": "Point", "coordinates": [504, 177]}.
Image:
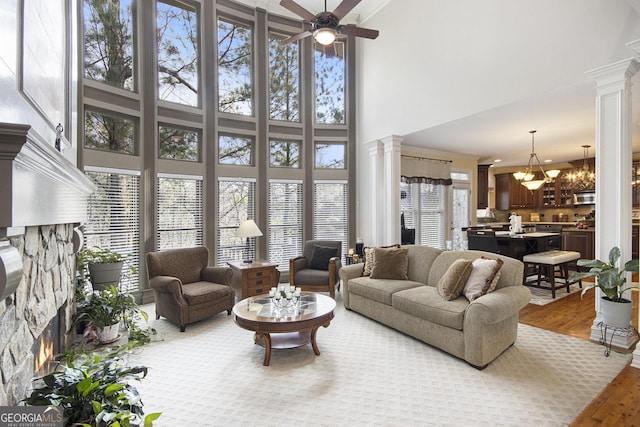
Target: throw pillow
{"type": "Point", "coordinates": [390, 263]}
{"type": "Point", "coordinates": [481, 277]}
{"type": "Point", "coordinates": [320, 257]}
{"type": "Point", "coordinates": [452, 282]}
{"type": "Point", "coordinates": [368, 258]}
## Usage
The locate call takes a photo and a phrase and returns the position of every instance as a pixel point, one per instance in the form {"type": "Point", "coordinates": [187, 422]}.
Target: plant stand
{"type": "Point", "coordinates": [609, 332]}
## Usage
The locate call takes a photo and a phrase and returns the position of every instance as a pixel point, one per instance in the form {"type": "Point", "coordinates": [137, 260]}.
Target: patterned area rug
{"type": "Point", "coordinates": [367, 374]}
{"type": "Point", "coordinates": [542, 296]}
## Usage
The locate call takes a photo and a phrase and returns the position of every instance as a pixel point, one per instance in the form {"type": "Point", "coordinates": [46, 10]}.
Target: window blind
{"type": "Point", "coordinates": [114, 216]}
{"type": "Point", "coordinates": [236, 202]}
{"type": "Point", "coordinates": [330, 211]}
{"type": "Point", "coordinates": [431, 215]}
{"type": "Point", "coordinates": [284, 222]}
{"type": "Point", "coordinates": [179, 212]}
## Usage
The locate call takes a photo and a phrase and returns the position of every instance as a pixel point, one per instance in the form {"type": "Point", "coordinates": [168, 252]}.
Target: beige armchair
{"type": "Point", "coordinates": [186, 289]}
{"type": "Point", "coordinates": [317, 268]}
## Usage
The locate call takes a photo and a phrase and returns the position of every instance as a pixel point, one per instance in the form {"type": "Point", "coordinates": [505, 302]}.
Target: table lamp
{"type": "Point", "coordinates": [248, 229]}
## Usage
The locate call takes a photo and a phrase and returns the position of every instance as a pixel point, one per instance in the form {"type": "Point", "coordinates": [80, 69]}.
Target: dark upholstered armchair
{"type": "Point", "coordinates": [186, 289]}
{"type": "Point", "coordinates": [317, 268]}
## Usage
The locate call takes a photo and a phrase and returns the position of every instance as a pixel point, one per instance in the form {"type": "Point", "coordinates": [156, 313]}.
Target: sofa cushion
{"type": "Point", "coordinates": [452, 282]}
{"type": "Point", "coordinates": [320, 257]}
{"type": "Point", "coordinates": [481, 277]}
{"type": "Point", "coordinates": [426, 303]}
{"type": "Point", "coordinates": [379, 290]}
{"type": "Point", "coordinates": [390, 263]}
{"type": "Point", "coordinates": [369, 258]}
{"type": "Point", "coordinates": [204, 292]}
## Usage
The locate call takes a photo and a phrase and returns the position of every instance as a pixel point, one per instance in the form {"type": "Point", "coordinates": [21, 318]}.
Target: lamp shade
{"type": "Point", "coordinates": [247, 229]}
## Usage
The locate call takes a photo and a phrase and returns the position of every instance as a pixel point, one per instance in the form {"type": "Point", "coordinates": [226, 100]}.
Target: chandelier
{"type": "Point", "coordinates": [583, 179]}
{"type": "Point", "coordinates": [526, 178]}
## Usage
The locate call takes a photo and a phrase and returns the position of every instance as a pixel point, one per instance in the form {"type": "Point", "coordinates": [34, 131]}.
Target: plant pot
{"type": "Point", "coordinates": [109, 334]}
{"type": "Point", "coordinates": [616, 314]}
{"type": "Point", "coordinates": [103, 275]}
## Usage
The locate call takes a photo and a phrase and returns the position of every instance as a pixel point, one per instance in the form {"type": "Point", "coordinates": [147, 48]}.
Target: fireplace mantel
{"type": "Point", "coordinates": [37, 184]}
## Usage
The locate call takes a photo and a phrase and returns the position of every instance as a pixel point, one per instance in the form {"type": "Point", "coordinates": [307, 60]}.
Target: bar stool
{"type": "Point", "coordinates": [545, 263]}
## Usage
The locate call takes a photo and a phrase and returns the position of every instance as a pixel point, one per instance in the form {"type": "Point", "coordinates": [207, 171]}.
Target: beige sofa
{"type": "Point", "coordinates": [477, 332]}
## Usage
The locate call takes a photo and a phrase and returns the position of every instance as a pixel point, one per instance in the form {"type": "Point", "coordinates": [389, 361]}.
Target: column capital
{"type": "Point", "coordinates": [392, 143]}
{"type": "Point", "coordinates": [616, 72]}
{"type": "Point", "coordinates": [373, 147]}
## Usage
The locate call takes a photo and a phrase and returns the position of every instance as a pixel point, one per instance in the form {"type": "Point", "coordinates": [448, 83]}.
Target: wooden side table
{"type": "Point", "coordinates": [255, 278]}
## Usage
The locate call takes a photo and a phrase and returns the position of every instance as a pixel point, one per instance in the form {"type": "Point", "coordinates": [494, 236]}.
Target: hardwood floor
{"type": "Point", "coordinates": [619, 402]}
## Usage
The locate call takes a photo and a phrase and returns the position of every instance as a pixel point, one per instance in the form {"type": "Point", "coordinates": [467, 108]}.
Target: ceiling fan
{"type": "Point", "coordinates": [325, 26]}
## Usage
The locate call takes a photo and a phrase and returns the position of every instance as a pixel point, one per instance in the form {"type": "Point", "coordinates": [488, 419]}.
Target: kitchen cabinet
{"type": "Point", "coordinates": [556, 194]}
{"type": "Point", "coordinates": [582, 241]}
{"type": "Point", "coordinates": [635, 184]}
{"type": "Point", "coordinates": [483, 186]}
{"type": "Point", "coordinates": [510, 194]}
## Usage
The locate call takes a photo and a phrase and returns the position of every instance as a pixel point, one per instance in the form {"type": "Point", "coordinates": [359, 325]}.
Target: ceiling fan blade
{"type": "Point", "coordinates": [297, 9]}
{"type": "Point", "coordinates": [295, 38]}
{"type": "Point", "coordinates": [350, 30]}
{"type": "Point", "coordinates": [330, 51]}
{"type": "Point", "coordinates": [345, 7]}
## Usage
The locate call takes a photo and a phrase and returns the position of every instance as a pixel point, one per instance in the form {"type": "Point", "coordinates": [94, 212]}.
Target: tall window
{"type": "Point", "coordinates": [330, 78]}
{"type": "Point", "coordinates": [108, 42]}
{"type": "Point", "coordinates": [114, 215]}
{"type": "Point", "coordinates": [285, 221]}
{"type": "Point", "coordinates": [179, 212]}
{"type": "Point", "coordinates": [284, 80]}
{"type": "Point", "coordinates": [235, 75]}
{"type": "Point", "coordinates": [236, 202]}
{"type": "Point", "coordinates": [177, 32]}
{"type": "Point", "coordinates": [423, 208]}
{"type": "Point", "coordinates": [330, 211]}
{"type": "Point", "coordinates": [461, 202]}
{"type": "Point", "coordinates": [178, 144]}
{"type": "Point", "coordinates": [109, 132]}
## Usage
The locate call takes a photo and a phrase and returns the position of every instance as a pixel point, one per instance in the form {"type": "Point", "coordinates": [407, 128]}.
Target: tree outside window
{"type": "Point", "coordinates": [235, 77]}
{"type": "Point", "coordinates": [284, 154]}
{"type": "Point", "coordinates": [177, 37]}
{"type": "Point", "coordinates": [330, 156]}
{"type": "Point", "coordinates": [236, 202]}
{"type": "Point", "coordinates": [235, 150]}
{"type": "Point", "coordinates": [284, 80]}
{"type": "Point", "coordinates": [108, 42]}
{"type": "Point", "coordinates": [109, 133]}
{"type": "Point", "coordinates": [178, 144]}
{"type": "Point", "coordinates": [330, 81]}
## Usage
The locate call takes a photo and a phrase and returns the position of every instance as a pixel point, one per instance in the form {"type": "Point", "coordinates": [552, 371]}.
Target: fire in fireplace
{"type": "Point", "coordinates": [48, 345]}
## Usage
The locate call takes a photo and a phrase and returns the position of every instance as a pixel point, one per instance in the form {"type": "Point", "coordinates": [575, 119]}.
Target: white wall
{"type": "Point", "coordinates": [15, 105]}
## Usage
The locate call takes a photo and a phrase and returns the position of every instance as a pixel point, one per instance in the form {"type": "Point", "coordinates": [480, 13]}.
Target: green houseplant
{"type": "Point", "coordinates": [102, 267]}
{"type": "Point", "coordinates": [93, 391]}
{"type": "Point", "coordinates": [105, 310]}
{"type": "Point", "coordinates": [616, 310]}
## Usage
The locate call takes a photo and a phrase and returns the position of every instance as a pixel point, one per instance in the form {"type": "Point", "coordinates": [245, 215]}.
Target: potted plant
{"type": "Point", "coordinates": [92, 391]}
{"type": "Point", "coordinates": [615, 309]}
{"type": "Point", "coordinates": [102, 267]}
{"type": "Point", "coordinates": [105, 310]}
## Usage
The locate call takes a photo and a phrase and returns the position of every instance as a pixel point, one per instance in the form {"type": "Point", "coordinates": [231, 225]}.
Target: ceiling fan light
{"type": "Point", "coordinates": [325, 36]}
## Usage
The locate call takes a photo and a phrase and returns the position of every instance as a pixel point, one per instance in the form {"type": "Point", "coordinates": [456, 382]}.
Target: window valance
{"type": "Point", "coordinates": [424, 170]}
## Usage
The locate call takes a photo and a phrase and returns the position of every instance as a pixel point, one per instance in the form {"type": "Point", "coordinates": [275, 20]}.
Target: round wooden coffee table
{"type": "Point", "coordinates": [282, 328]}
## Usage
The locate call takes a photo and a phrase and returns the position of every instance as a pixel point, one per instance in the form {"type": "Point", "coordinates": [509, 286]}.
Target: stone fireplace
{"type": "Point", "coordinates": [42, 198]}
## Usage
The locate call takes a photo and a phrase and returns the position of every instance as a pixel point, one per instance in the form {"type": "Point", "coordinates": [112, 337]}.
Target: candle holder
{"type": "Point", "coordinates": [284, 297]}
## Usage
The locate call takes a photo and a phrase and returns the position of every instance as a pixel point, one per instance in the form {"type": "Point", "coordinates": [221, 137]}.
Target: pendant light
{"type": "Point", "coordinates": [526, 178]}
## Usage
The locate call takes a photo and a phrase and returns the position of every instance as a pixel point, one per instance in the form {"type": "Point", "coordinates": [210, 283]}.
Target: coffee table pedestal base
{"type": "Point", "coordinates": [285, 340]}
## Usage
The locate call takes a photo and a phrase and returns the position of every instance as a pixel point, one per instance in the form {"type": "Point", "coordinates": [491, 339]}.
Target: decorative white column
{"type": "Point", "coordinates": [613, 168]}
{"type": "Point", "coordinates": [376, 183]}
{"type": "Point", "coordinates": [391, 200]}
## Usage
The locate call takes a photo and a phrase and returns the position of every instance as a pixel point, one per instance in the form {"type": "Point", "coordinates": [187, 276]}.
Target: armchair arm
{"type": "Point", "coordinates": [168, 285]}
{"type": "Point", "coordinates": [220, 275]}
{"type": "Point", "coordinates": [297, 263]}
